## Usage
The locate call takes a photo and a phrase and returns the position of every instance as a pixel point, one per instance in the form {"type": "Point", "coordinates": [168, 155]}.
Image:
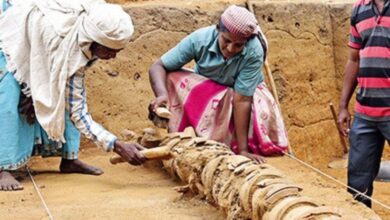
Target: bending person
{"type": "Point", "coordinates": [226, 99]}
{"type": "Point", "coordinates": [46, 47]}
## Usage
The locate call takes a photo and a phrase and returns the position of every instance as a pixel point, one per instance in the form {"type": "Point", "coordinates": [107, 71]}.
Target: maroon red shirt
{"type": "Point", "coordinates": [370, 33]}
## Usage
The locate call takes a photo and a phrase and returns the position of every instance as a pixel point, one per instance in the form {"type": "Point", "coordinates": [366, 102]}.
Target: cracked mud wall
{"type": "Point", "coordinates": [301, 58]}
{"type": "Point", "coordinates": [119, 90]}
{"type": "Point", "coordinates": [340, 16]}
{"type": "Point", "coordinates": [307, 56]}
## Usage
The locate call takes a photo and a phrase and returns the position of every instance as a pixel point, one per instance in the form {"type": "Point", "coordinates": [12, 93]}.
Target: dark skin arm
{"type": "Point", "coordinates": [158, 81]}
{"type": "Point", "coordinates": [129, 152]}
{"type": "Point", "coordinates": [242, 106]}
{"type": "Point", "coordinates": [349, 86]}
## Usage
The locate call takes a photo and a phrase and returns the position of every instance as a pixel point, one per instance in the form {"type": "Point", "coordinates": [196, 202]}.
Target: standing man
{"type": "Point", "coordinates": [368, 68]}
{"type": "Point", "coordinates": [46, 47]}
{"type": "Point", "coordinates": [224, 98]}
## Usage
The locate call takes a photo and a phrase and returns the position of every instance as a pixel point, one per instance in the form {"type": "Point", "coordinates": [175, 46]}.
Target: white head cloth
{"type": "Point", "coordinates": [47, 41]}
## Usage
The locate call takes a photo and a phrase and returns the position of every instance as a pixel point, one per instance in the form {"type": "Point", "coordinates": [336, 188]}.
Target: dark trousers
{"type": "Point", "coordinates": [367, 139]}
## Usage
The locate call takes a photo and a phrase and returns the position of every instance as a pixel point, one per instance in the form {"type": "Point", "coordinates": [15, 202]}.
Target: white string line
{"type": "Point", "coordinates": [337, 181]}
{"type": "Point", "coordinates": [40, 195]}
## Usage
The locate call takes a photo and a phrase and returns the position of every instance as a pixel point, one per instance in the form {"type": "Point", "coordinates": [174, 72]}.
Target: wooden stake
{"type": "Point", "coordinates": [268, 74]}
{"type": "Point", "coordinates": [157, 153]}
{"type": "Point", "coordinates": [249, 6]}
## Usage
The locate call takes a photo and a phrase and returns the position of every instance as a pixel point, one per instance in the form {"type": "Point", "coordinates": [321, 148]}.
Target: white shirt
{"type": "Point", "coordinates": [76, 104]}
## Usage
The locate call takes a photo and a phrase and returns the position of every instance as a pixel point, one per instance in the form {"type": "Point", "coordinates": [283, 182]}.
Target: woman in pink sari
{"type": "Point", "coordinates": [224, 98]}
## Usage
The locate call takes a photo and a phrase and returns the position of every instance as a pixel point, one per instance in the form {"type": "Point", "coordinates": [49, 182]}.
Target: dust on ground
{"type": "Point", "coordinates": [144, 192]}
{"type": "Point", "coordinates": [122, 192]}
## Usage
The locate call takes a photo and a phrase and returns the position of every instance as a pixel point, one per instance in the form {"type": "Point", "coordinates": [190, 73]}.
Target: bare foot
{"type": "Point", "coordinates": [8, 182]}
{"type": "Point", "coordinates": [77, 166]}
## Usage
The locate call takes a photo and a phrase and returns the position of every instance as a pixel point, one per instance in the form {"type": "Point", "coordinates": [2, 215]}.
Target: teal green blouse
{"type": "Point", "coordinates": [242, 72]}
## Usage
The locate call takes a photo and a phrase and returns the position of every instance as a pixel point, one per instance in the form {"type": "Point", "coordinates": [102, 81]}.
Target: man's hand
{"type": "Point", "coordinates": [254, 157]}
{"type": "Point", "coordinates": [130, 152]}
{"type": "Point", "coordinates": [344, 122]}
{"type": "Point", "coordinates": [26, 108]}
{"type": "Point", "coordinates": [349, 86]}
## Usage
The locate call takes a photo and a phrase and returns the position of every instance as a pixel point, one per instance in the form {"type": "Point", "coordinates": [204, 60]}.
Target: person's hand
{"type": "Point", "coordinates": [158, 102]}
{"type": "Point", "coordinates": [130, 152]}
{"type": "Point", "coordinates": [254, 157]}
{"type": "Point", "coordinates": [344, 122]}
{"type": "Point", "coordinates": [26, 108]}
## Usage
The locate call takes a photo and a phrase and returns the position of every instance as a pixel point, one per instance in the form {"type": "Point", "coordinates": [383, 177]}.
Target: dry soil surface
{"type": "Point", "coordinates": [145, 192]}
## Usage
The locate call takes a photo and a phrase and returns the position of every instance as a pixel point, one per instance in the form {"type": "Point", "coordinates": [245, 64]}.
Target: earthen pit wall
{"type": "Point", "coordinates": [307, 56]}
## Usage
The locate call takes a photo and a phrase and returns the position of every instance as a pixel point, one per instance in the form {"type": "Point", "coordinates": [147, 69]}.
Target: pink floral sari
{"type": "Point", "coordinates": [207, 106]}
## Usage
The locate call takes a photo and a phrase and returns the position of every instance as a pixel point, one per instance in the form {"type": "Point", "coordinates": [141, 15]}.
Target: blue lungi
{"type": "Point", "coordinates": [20, 140]}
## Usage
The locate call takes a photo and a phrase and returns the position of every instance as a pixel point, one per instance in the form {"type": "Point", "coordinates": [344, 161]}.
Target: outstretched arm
{"type": "Point", "coordinates": [349, 86]}
{"type": "Point", "coordinates": [242, 106]}
{"type": "Point", "coordinates": [172, 60]}
{"type": "Point", "coordinates": [81, 118]}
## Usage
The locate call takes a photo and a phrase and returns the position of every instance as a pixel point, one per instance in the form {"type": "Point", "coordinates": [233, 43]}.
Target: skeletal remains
{"type": "Point", "coordinates": [240, 187]}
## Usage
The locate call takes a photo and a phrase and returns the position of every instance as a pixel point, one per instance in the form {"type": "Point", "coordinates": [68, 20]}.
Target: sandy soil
{"type": "Point", "coordinates": [307, 56]}
{"type": "Point", "coordinates": [122, 192]}
{"type": "Point", "coordinates": [145, 192]}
